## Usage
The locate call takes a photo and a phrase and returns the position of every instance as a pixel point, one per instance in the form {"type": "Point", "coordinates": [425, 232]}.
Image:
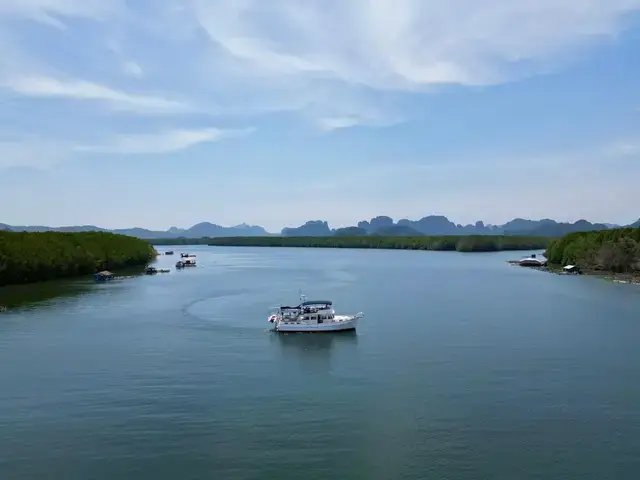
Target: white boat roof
{"type": "Point", "coordinates": [316, 302]}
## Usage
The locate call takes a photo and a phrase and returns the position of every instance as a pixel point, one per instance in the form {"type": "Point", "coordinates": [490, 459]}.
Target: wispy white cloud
{"type": "Point", "coordinates": [49, 87]}
{"type": "Point", "coordinates": [50, 11]}
{"type": "Point", "coordinates": [328, 59]}
{"type": "Point", "coordinates": [162, 142]}
{"type": "Point", "coordinates": [340, 46]}
{"type": "Point", "coordinates": [404, 44]}
{"type": "Point", "coordinates": [329, 124]}
{"type": "Point", "coordinates": [336, 123]}
{"type": "Point", "coordinates": [31, 151]}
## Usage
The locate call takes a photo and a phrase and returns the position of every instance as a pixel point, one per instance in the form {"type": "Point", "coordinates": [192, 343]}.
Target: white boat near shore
{"type": "Point", "coordinates": [532, 261]}
{"type": "Point", "coordinates": [312, 316]}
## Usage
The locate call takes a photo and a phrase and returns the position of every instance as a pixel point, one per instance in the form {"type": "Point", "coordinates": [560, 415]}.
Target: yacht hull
{"type": "Point", "coordinates": [341, 326]}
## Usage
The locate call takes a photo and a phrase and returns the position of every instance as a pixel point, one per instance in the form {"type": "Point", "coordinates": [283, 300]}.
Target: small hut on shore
{"type": "Point", "coordinates": [103, 276]}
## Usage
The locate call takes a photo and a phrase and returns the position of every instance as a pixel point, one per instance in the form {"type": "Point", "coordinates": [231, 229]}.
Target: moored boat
{"type": "Point", "coordinates": [312, 316]}
{"type": "Point", "coordinates": [532, 261]}
{"type": "Point", "coordinates": [186, 262]}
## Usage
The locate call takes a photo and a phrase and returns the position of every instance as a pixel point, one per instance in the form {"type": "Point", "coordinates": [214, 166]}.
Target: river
{"type": "Point", "coordinates": [463, 368]}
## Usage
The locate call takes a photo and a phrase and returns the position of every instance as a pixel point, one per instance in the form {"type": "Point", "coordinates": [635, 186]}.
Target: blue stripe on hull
{"type": "Point", "coordinates": [350, 329]}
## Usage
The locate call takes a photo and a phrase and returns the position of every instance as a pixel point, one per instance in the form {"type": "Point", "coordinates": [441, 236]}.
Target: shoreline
{"type": "Point", "coordinates": [129, 268]}
{"type": "Point", "coordinates": [441, 243]}
{"type": "Point", "coordinates": [625, 278]}
{"type": "Point", "coordinates": [128, 272]}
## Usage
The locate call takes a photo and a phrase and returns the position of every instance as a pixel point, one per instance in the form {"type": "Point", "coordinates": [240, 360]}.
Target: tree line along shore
{"type": "Point", "coordinates": [459, 243]}
{"type": "Point", "coordinates": [605, 251]}
{"type": "Point", "coordinates": [27, 257]}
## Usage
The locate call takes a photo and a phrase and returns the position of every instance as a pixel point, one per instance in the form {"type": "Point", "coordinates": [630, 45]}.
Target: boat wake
{"type": "Point", "coordinates": [219, 311]}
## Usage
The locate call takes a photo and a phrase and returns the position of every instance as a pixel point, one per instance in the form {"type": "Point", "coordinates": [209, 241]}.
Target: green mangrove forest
{"type": "Point", "coordinates": [616, 251]}
{"type": "Point", "coordinates": [459, 243]}
{"type": "Point", "coordinates": [181, 241]}
{"type": "Point", "coordinates": [27, 257]}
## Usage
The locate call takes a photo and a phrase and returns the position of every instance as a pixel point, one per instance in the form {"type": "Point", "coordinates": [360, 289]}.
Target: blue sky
{"type": "Point", "coordinates": [158, 113]}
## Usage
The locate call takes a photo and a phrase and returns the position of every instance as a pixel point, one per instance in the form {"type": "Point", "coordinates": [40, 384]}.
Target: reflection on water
{"type": "Point", "coordinates": [314, 349]}
{"type": "Point", "coordinates": [22, 296]}
{"type": "Point", "coordinates": [316, 342]}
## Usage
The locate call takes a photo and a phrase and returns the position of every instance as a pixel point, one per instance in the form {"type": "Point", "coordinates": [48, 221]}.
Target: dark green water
{"type": "Point", "coordinates": [463, 368]}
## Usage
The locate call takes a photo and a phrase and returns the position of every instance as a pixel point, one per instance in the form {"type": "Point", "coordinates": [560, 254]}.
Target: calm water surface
{"type": "Point", "coordinates": [463, 368]}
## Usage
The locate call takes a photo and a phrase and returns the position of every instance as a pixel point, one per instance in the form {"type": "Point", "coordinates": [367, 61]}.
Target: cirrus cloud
{"type": "Point", "coordinates": [47, 87]}
{"type": "Point", "coordinates": [162, 142]}
{"type": "Point", "coordinates": [327, 58]}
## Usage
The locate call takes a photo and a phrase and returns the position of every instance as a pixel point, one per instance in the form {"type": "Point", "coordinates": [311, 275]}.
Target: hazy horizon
{"type": "Point", "coordinates": [154, 114]}
{"type": "Point", "coordinates": [277, 229]}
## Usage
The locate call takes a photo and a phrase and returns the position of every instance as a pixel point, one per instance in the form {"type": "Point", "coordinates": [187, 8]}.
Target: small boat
{"type": "Point", "coordinates": [312, 316]}
{"type": "Point", "coordinates": [532, 261]}
{"type": "Point", "coordinates": [186, 262]}
{"type": "Point", "coordinates": [170, 252]}
{"type": "Point", "coordinates": [186, 255]}
{"type": "Point", "coordinates": [151, 271]}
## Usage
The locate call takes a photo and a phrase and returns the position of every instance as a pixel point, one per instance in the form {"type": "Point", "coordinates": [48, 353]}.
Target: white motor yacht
{"type": "Point", "coordinates": [312, 316]}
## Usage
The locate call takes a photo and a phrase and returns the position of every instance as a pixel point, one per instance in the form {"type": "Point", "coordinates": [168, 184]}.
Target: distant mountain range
{"type": "Point", "coordinates": [204, 229]}
{"type": "Point", "coordinates": [441, 225]}
{"type": "Point", "coordinates": [382, 225]}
